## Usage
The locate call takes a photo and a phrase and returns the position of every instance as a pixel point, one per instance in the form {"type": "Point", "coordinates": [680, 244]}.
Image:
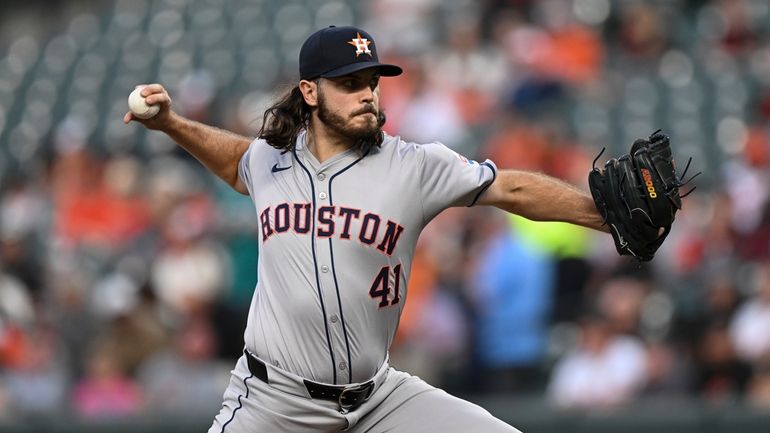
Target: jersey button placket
{"type": "Point", "coordinates": [329, 284]}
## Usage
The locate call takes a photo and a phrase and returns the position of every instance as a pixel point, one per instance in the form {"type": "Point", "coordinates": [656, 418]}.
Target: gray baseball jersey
{"type": "Point", "coordinates": [336, 245]}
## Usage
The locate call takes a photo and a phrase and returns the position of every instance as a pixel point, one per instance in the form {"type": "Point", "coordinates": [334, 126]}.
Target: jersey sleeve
{"type": "Point", "coordinates": [448, 179]}
{"type": "Point", "coordinates": [244, 167]}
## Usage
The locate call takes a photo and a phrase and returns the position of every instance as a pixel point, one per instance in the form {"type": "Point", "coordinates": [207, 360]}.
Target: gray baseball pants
{"type": "Point", "coordinates": [399, 403]}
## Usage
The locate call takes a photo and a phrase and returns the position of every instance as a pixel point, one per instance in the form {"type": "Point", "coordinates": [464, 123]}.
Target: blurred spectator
{"type": "Point", "coordinates": [738, 34]}
{"type": "Point", "coordinates": [190, 271]}
{"type": "Point", "coordinates": [16, 306]}
{"type": "Point", "coordinates": [719, 236]}
{"type": "Point", "coordinates": [512, 289]}
{"type": "Point", "coordinates": [668, 374]}
{"type": "Point", "coordinates": [104, 210]}
{"type": "Point", "coordinates": [642, 31]}
{"type": "Point", "coordinates": [23, 208]}
{"type": "Point", "coordinates": [196, 92]}
{"type": "Point", "coordinates": [106, 391]}
{"type": "Point", "coordinates": [471, 72]}
{"type": "Point", "coordinates": [401, 25]}
{"type": "Point", "coordinates": [434, 335]}
{"type": "Point", "coordinates": [606, 369]}
{"type": "Point", "coordinates": [759, 391]}
{"type": "Point", "coordinates": [186, 377]}
{"type": "Point", "coordinates": [751, 327]}
{"type": "Point", "coordinates": [18, 260]}
{"type": "Point", "coordinates": [132, 332]}
{"type": "Point", "coordinates": [38, 384]}
{"type": "Point", "coordinates": [563, 48]}
{"type": "Point", "coordinates": [620, 300]}
{"type": "Point", "coordinates": [714, 306]}
{"type": "Point", "coordinates": [16, 313]}
{"type": "Point", "coordinates": [749, 190]}
{"type": "Point", "coordinates": [721, 377]}
{"type": "Point", "coordinates": [432, 114]}
{"type": "Point", "coordinates": [516, 143]}
{"type": "Point", "coordinates": [23, 218]}
{"type": "Point", "coordinates": [71, 314]}
{"type": "Point", "coordinates": [234, 224]}
{"type": "Point", "coordinates": [442, 336]}
{"type": "Point", "coordinates": [755, 245]}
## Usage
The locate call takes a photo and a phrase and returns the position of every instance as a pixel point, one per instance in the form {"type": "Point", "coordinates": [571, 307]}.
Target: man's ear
{"type": "Point", "coordinates": [309, 91]}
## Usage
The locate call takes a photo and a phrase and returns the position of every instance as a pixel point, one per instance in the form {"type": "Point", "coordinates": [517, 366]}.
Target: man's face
{"type": "Point", "coordinates": [349, 105]}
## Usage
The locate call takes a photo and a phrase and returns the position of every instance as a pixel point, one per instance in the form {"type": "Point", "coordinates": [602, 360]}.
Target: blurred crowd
{"type": "Point", "coordinates": [126, 270]}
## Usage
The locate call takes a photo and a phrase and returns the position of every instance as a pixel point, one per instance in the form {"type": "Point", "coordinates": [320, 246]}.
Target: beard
{"type": "Point", "coordinates": [364, 136]}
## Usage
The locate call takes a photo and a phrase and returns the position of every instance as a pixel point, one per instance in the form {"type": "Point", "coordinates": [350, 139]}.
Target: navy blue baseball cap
{"type": "Point", "coordinates": [337, 51]}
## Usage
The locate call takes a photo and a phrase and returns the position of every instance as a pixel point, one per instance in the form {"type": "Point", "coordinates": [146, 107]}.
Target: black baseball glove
{"type": "Point", "coordinates": [638, 195]}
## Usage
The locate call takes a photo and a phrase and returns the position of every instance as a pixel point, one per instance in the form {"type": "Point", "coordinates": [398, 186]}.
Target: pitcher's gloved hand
{"type": "Point", "coordinates": [638, 195]}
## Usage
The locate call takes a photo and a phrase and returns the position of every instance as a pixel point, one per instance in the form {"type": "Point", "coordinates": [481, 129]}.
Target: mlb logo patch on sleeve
{"type": "Point", "coordinates": [465, 160]}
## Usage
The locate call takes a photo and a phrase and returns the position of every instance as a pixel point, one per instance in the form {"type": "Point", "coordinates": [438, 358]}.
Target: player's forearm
{"type": "Point", "coordinates": [540, 197]}
{"type": "Point", "coordinates": [217, 149]}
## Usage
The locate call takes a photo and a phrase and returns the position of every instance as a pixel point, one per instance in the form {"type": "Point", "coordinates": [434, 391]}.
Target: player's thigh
{"type": "Point", "coordinates": [417, 407]}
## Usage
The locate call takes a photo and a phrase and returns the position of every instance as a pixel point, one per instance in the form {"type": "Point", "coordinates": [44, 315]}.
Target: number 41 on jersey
{"type": "Point", "coordinates": [381, 286]}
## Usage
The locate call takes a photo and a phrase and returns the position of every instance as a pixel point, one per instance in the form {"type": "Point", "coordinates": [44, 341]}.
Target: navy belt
{"type": "Point", "coordinates": [348, 397]}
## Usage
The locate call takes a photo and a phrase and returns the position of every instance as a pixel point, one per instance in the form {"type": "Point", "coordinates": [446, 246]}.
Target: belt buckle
{"type": "Point", "coordinates": [355, 391]}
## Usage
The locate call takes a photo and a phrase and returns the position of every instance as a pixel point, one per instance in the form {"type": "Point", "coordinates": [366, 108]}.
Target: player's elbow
{"type": "Point", "coordinates": [232, 179]}
{"type": "Point", "coordinates": [239, 186]}
{"type": "Point", "coordinates": [504, 192]}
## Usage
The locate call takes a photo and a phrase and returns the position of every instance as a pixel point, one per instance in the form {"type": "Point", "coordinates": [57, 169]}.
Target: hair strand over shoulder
{"type": "Point", "coordinates": [285, 119]}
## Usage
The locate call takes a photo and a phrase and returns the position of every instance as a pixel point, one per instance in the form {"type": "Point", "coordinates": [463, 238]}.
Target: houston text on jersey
{"type": "Point", "coordinates": [345, 222]}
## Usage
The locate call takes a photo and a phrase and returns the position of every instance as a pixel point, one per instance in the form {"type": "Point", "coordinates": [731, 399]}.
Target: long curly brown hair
{"type": "Point", "coordinates": [290, 114]}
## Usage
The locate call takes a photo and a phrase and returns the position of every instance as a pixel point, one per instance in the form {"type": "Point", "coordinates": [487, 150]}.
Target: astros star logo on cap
{"type": "Point", "coordinates": [361, 44]}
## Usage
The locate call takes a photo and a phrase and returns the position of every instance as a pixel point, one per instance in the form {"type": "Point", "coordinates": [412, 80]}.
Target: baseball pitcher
{"type": "Point", "coordinates": [339, 207]}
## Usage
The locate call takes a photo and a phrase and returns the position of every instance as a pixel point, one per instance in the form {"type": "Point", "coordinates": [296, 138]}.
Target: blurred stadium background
{"type": "Point", "coordinates": [126, 270]}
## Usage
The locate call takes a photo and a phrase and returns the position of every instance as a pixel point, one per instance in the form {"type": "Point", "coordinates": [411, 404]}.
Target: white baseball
{"type": "Point", "coordinates": [138, 105]}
